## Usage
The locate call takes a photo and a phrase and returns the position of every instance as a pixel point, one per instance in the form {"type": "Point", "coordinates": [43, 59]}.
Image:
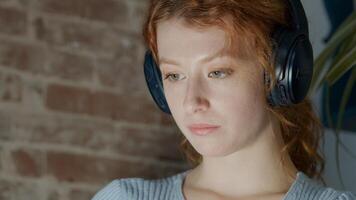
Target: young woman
{"type": "Point", "coordinates": [214, 57]}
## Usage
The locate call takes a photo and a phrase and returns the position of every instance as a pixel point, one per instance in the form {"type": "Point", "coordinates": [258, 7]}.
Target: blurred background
{"type": "Point", "coordinates": [75, 112]}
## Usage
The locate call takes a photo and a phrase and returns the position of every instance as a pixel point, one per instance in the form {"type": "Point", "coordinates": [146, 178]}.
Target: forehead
{"type": "Point", "coordinates": [175, 39]}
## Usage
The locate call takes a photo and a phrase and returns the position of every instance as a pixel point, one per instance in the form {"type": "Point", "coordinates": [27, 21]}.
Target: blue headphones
{"type": "Point", "coordinates": [293, 60]}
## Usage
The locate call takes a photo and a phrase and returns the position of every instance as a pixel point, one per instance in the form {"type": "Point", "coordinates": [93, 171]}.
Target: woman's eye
{"type": "Point", "coordinates": [172, 77]}
{"type": "Point", "coordinates": [220, 73]}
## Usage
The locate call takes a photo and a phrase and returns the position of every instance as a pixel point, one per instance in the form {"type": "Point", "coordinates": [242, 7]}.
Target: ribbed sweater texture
{"type": "Point", "coordinates": [170, 188]}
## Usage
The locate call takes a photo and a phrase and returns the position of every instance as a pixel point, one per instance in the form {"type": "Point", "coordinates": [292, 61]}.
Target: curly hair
{"type": "Point", "coordinates": [254, 22]}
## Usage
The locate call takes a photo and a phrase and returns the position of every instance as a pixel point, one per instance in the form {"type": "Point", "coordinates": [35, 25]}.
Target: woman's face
{"type": "Point", "coordinates": [223, 90]}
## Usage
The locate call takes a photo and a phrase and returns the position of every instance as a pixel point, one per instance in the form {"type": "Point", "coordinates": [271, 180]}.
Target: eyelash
{"type": "Point", "coordinates": [227, 71]}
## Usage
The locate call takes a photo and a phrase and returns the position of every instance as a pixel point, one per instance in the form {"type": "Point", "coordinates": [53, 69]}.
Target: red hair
{"type": "Point", "coordinates": [254, 22]}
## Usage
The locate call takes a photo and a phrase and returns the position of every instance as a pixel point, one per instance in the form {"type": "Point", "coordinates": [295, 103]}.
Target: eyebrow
{"type": "Point", "coordinates": [221, 52]}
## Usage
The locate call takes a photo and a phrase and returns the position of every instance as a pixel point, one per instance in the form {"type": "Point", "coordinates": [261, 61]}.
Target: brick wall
{"type": "Point", "coordinates": [75, 112]}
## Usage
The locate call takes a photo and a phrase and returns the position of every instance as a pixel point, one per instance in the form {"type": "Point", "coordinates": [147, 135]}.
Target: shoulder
{"type": "Point", "coordinates": [140, 188]}
{"type": "Point", "coordinates": [347, 195]}
{"type": "Point", "coordinates": [333, 194]}
{"type": "Point", "coordinates": [308, 188]}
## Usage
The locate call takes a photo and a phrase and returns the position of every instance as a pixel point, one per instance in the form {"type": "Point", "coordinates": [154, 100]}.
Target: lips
{"type": "Point", "coordinates": [202, 129]}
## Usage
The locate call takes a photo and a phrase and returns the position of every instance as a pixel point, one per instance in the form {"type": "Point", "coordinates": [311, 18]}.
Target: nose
{"type": "Point", "coordinates": [195, 98]}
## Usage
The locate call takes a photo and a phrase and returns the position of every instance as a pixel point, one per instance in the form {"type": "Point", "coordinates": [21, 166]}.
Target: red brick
{"type": "Point", "coordinates": [81, 195]}
{"type": "Point", "coordinates": [167, 120]}
{"type": "Point", "coordinates": [20, 56]}
{"type": "Point", "coordinates": [33, 94]}
{"type": "Point", "coordinates": [14, 3]}
{"type": "Point", "coordinates": [124, 107]}
{"type": "Point", "coordinates": [13, 21]}
{"type": "Point", "coordinates": [69, 99]}
{"type": "Point", "coordinates": [162, 145]}
{"type": "Point", "coordinates": [47, 129]}
{"type": "Point", "coordinates": [124, 75]}
{"type": "Point", "coordinates": [27, 162]}
{"type": "Point", "coordinates": [90, 169]}
{"type": "Point", "coordinates": [54, 195]}
{"type": "Point", "coordinates": [10, 88]}
{"type": "Point", "coordinates": [139, 13]}
{"type": "Point", "coordinates": [50, 46]}
{"type": "Point", "coordinates": [10, 190]}
{"type": "Point", "coordinates": [1, 158]}
{"type": "Point", "coordinates": [51, 63]}
{"type": "Point", "coordinates": [5, 125]}
{"type": "Point", "coordinates": [111, 11]}
{"type": "Point", "coordinates": [102, 104]}
{"type": "Point", "coordinates": [70, 67]}
{"type": "Point", "coordinates": [74, 35]}
{"type": "Point", "coordinates": [43, 129]}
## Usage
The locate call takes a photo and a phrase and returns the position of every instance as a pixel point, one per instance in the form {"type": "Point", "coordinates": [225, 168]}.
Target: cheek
{"type": "Point", "coordinates": [246, 104]}
{"type": "Point", "coordinates": [170, 93]}
{"type": "Point", "coordinates": [174, 99]}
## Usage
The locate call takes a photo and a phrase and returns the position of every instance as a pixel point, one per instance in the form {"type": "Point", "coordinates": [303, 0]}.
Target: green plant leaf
{"type": "Point", "coordinates": [345, 97]}
{"type": "Point", "coordinates": [346, 29]}
{"type": "Point", "coordinates": [345, 47]}
{"type": "Point", "coordinates": [337, 134]}
{"type": "Point", "coordinates": [346, 63]}
{"type": "Point", "coordinates": [344, 42]}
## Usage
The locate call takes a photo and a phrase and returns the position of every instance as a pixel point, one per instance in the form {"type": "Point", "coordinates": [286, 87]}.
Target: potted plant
{"type": "Point", "coordinates": [335, 61]}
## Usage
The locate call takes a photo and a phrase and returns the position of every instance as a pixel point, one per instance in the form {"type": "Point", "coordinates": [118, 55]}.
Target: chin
{"type": "Point", "coordinates": [209, 150]}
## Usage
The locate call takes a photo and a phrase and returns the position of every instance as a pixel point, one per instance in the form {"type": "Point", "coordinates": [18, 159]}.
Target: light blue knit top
{"type": "Point", "coordinates": [170, 188]}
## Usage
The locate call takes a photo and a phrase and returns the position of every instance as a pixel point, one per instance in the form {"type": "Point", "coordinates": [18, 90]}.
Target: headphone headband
{"type": "Point", "coordinates": [299, 17]}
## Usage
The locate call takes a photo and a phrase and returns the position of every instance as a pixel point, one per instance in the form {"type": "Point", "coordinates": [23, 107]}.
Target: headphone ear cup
{"type": "Point", "coordinates": [283, 49]}
{"type": "Point", "coordinates": [293, 62]}
{"type": "Point", "coordinates": [153, 79]}
{"type": "Point", "coordinates": [301, 62]}
{"type": "Point", "coordinates": [276, 40]}
{"type": "Point", "coordinates": [277, 36]}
